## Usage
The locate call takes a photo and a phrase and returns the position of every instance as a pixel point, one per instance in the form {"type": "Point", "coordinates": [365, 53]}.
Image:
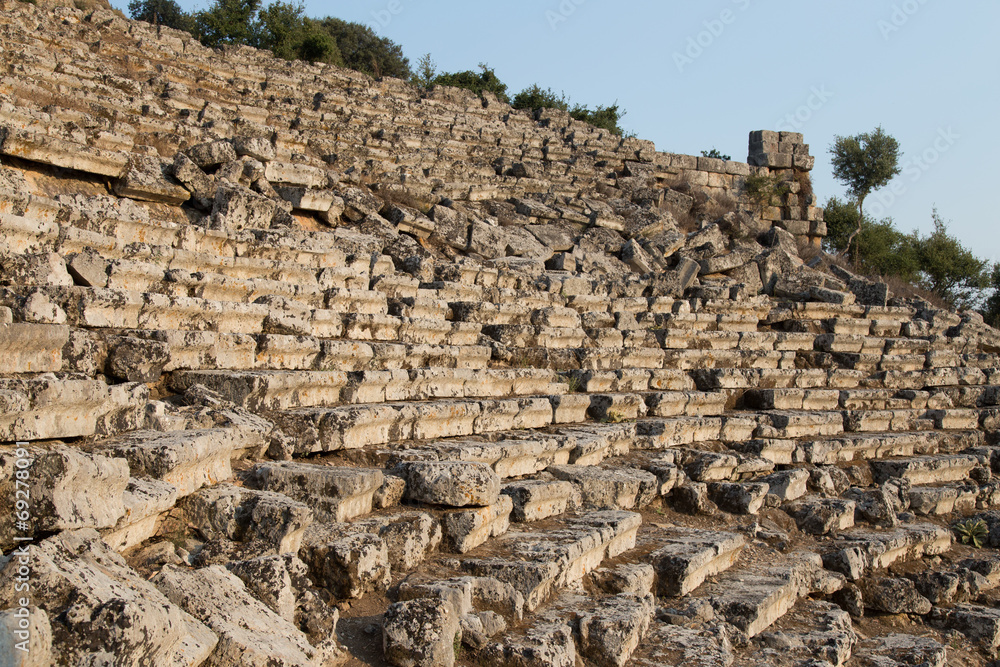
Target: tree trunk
{"type": "Point", "coordinates": [856, 254]}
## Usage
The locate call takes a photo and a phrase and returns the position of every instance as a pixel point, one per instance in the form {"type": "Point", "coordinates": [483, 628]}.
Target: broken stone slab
{"type": "Point", "coordinates": [466, 529]}
{"type": "Point", "coordinates": [690, 556]}
{"type": "Point", "coordinates": [451, 483]}
{"type": "Point", "coordinates": [821, 516]}
{"type": "Point", "coordinates": [61, 152]}
{"type": "Point", "coordinates": [522, 454]}
{"type": "Point", "coordinates": [187, 459]}
{"type": "Point", "coordinates": [70, 488]}
{"type": "Point", "coordinates": [610, 630]}
{"type": "Point", "coordinates": [534, 500]}
{"type": "Point", "coordinates": [33, 348]}
{"type": "Point", "coordinates": [468, 594]}
{"type": "Point", "coordinates": [753, 599]}
{"type": "Point", "coordinates": [594, 443]}
{"type": "Point", "coordinates": [348, 566]}
{"type": "Point", "coordinates": [540, 563]}
{"type": "Point", "coordinates": [976, 622]}
{"type": "Point", "coordinates": [900, 650]}
{"type": "Point", "coordinates": [409, 536]}
{"type": "Point", "coordinates": [787, 485]}
{"type": "Point", "coordinates": [860, 552]}
{"type": "Point", "coordinates": [610, 488]}
{"type": "Point", "coordinates": [257, 636]}
{"type": "Point", "coordinates": [138, 359]}
{"type": "Point", "coordinates": [138, 624]}
{"type": "Point", "coordinates": [211, 153]}
{"type": "Point", "coordinates": [268, 579]}
{"type": "Point", "coordinates": [246, 515]}
{"type": "Point", "coordinates": [738, 497]}
{"type": "Point", "coordinates": [813, 632]}
{"type": "Point", "coordinates": [544, 643]}
{"type": "Point", "coordinates": [26, 637]}
{"type": "Point", "coordinates": [893, 595]}
{"type": "Point", "coordinates": [940, 500]}
{"type": "Point", "coordinates": [335, 493]}
{"type": "Point", "coordinates": [706, 646]}
{"type": "Point", "coordinates": [147, 178]}
{"type": "Point", "coordinates": [263, 391]}
{"type": "Point", "coordinates": [46, 408]}
{"type": "Point", "coordinates": [926, 469]}
{"type": "Point", "coordinates": [420, 633]}
{"type": "Point", "coordinates": [236, 208]}
{"type": "Point", "coordinates": [146, 501]}
{"type": "Point", "coordinates": [637, 579]}
{"type": "Point", "coordinates": [786, 425]}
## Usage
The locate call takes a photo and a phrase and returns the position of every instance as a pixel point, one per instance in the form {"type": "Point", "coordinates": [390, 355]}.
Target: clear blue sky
{"type": "Point", "coordinates": [698, 75]}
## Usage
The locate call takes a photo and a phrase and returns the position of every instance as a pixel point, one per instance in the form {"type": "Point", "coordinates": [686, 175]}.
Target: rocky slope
{"type": "Point", "coordinates": [302, 368]}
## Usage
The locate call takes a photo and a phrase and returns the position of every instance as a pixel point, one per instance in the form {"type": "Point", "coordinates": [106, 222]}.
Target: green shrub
{"type": "Point", "coordinates": [606, 118]}
{"type": "Point", "coordinates": [761, 189]}
{"type": "Point", "coordinates": [536, 98]}
{"type": "Point", "coordinates": [714, 153]}
{"type": "Point", "coordinates": [161, 12]}
{"type": "Point", "coordinates": [363, 50]}
{"type": "Point", "coordinates": [485, 81]}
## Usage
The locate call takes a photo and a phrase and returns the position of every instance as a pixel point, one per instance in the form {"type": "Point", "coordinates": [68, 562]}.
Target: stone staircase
{"type": "Point", "coordinates": [312, 369]}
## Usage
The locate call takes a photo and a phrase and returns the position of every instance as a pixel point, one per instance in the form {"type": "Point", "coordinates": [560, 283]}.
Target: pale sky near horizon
{"type": "Point", "coordinates": [693, 76]}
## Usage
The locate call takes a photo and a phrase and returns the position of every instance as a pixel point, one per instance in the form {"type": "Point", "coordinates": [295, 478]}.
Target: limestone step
{"type": "Point", "coordinates": [332, 429]}
{"type": "Point", "coordinates": [79, 563]}
{"type": "Point", "coordinates": [574, 627]}
{"type": "Point", "coordinates": [335, 493]}
{"type": "Point", "coordinates": [609, 486]}
{"type": "Point", "coordinates": [926, 469]}
{"type": "Point", "coordinates": [705, 645]}
{"type": "Point", "coordinates": [146, 501]}
{"type": "Point", "coordinates": [900, 649]}
{"type": "Point", "coordinates": [188, 460]}
{"type": "Point", "coordinates": [753, 597]}
{"type": "Point", "coordinates": [688, 557]}
{"type": "Point", "coordinates": [859, 552]}
{"type": "Point", "coordinates": [540, 562]}
{"type": "Point", "coordinates": [47, 407]}
{"type": "Point", "coordinates": [859, 446]}
{"type": "Point", "coordinates": [280, 390]}
{"type": "Point", "coordinates": [818, 515]}
{"type": "Point", "coordinates": [947, 498]}
{"type": "Point", "coordinates": [812, 632]}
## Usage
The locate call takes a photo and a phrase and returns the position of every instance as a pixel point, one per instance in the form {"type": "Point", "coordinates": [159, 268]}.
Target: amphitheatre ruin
{"type": "Point", "coordinates": [301, 367]}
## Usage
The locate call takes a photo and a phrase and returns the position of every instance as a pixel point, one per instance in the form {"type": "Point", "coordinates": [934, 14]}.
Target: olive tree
{"type": "Point", "coordinates": [864, 163]}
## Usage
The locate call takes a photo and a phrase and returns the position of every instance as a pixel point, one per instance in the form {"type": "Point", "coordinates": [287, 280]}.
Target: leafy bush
{"type": "Point", "coordinates": [229, 22]}
{"type": "Point", "coordinates": [426, 72]}
{"type": "Point", "coordinates": [283, 28]}
{"type": "Point", "coordinates": [606, 118]}
{"type": "Point", "coordinates": [991, 313]}
{"type": "Point", "coordinates": [161, 12]}
{"type": "Point", "coordinates": [486, 81]}
{"type": "Point", "coordinates": [536, 98]}
{"type": "Point", "coordinates": [714, 153]}
{"type": "Point", "coordinates": [761, 189]}
{"type": "Point", "coordinates": [950, 269]}
{"type": "Point", "coordinates": [363, 50]}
